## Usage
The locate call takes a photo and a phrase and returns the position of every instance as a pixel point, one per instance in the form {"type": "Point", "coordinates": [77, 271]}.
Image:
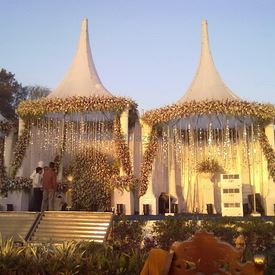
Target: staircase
{"type": "Point", "coordinates": [17, 224]}
{"type": "Point", "coordinates": [59, 226]}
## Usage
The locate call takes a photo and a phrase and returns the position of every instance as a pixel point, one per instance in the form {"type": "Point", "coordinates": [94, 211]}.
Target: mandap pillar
{"type": "Point", "coordinates": [269, 200]}
{"type": "Point", "coordinates": [148, 203]}
{"type": "Point", "coordinates": [171, 172]}
{"type": "Point", "coordinates": [124, 200]}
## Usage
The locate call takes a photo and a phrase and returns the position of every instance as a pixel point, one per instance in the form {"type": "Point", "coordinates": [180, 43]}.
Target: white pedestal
{"type": "Point", "coordinates": [270, 204]}
{"type": "Point", "coordinates": [126, 198]}
{"type": "Point", "coordinates": [205, 192]}
{"type": "Point", "coordinates": [19, 200]}
{"type": "Point", "coordinates": [152, 201]}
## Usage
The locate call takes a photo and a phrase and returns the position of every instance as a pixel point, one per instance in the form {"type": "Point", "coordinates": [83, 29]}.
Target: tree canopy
{"type": "Point", "coordinates": [12, 93]}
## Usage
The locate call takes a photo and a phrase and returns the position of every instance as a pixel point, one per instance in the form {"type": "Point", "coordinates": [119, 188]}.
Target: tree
{"type": "Point", "coordinates": [10, 90]}
{"type": "Point", "coordinates": [12, 93]}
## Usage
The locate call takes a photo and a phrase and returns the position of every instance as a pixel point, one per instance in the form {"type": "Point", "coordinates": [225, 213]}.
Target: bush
{"type": "Point", "coordinates": [123, 253]}
{"type": "Point", "coordinates": [170, 229]}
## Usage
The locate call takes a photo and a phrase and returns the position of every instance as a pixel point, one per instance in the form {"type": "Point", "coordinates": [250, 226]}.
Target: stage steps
{"type": "Point", "coordinates": [17, 224]}
{"type": "Point", "coordinates": [59, 226]}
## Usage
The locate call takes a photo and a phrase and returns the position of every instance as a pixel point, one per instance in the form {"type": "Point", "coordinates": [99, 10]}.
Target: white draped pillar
{"type": "Point", "coordinates": [149, 198]}
{"type": "Point", "coordinates": [269, 200]}
{"type": "Point", "coordinates": [171, 169]}
{"type": "Point", "coordinates": [124, 197]}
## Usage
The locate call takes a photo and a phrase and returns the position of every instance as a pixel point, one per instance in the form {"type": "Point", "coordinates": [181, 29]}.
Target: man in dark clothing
{"type": "Point", "coordinates": [49, 187]}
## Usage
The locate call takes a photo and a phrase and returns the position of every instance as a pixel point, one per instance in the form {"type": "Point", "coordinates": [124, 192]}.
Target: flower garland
{"type": "Point", "coordinates": [2, 167]}
{"type": "Point", "coordinates": [74, 104]}
{"type": "Point", "coordinates": [206, 107]}
{"type": "Point", "coordinates": [268, 152]}
{"type": "Point", "coordinates": [92, 174]}
{"type": "Point", "coordinates": [209, 166]}
{"type": "Point", "coordinates": [122, 149]}
{"type": "Point", "coordinates": [16, 184]}
{"type": "Point", "coordinates": [5, 126]}
{"type": "Point", "coordinates": [20, 149]}
{"type": "Point", "coordinates": [147, 162]}
{"type": "Point", "coordinates": [58, 158]}
{"type": "Point", "coordinates": [125, 182]}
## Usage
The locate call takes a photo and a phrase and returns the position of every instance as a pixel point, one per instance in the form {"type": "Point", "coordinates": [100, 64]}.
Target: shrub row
{"type": "Point", "coordinates": [128, 247]}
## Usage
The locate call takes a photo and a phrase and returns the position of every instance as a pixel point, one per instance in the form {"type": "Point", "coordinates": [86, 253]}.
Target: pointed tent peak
{"type": "Point", "coordinates": [82, 78]}
{"type": "Point", "coordinates": [84, 28]}
{"type": "Point", "coordinates": [207, 83]}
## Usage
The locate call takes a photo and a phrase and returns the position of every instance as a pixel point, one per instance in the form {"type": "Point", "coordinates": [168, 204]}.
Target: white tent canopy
{"type": "Point", "coordinates": [207, 83]}
{"type": "Point", "coordinates": [82, 78]}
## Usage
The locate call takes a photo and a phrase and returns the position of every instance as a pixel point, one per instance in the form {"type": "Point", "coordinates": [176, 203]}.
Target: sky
{"type": "Point", "coordinates": [147, 50]}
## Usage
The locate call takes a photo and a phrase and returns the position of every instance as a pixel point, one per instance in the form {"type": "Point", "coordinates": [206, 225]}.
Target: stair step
{"type": "Point", "coordinates": [71, 235]}
{"type": "Point", "coordinates": [73, 227]}
{"type": "Point", "coordinates": [62, 239]}
{"type": "Point", "coordinates": [69, 231]}
{"type": "Point", "coordinates": [16, 224]}
{"type": "Point", "coordinates": [74, 214]}
{"type": "Point", "coordinates": [75, 219]}
{"type": "Point", "coordinates": [68, 225]}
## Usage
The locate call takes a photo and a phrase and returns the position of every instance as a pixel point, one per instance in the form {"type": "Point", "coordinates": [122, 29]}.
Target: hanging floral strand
{"type": "Point", "coordinates": [20, 149]}
{"type": "Point", "coordinates": [147, 162]}
{"type": "Point", "coordinates": [268, 152]}
{"type": "Point", "coordinates": [5, 126]}
{"type": "Point", "coordinates": [128, 181]}
{"type": "Point", "coordinates": [58, 158]}
{"type": "Point", "coordinates": [2, 167]}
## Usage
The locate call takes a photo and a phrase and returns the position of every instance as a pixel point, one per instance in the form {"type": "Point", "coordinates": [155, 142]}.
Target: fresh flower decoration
{"type": "Point", "coordinates": [20, 149]}
{"type": "Point", "coordinates": [268, 152]}
{"type": "Point", "coordinates": [209, 166]}
{"type": "Point", "coordinates": [16, 184]}
{"type": "Point", "coordinates": [92, 180]}
{"type": "Point", "coordinates": [2, 167]}
{"type": "Point", "coordinates": [147, 162]}
{"type": "Point", "coordinates": [74, 104]}
{"type": "Point", "coordinates": [5, 126]}
{"type": "Point", "coordinates": [127, 183]}
{"type": "Point", "coordinates": [57, 160]}
{"type": "Point", "coordinates": [122, 149]}
{"type": "Point", "coordinates": [62, 187]}
{"type": "Point", "coordinates": [260, 112]}
{"type": "Point", "coordinates": [206, 107]}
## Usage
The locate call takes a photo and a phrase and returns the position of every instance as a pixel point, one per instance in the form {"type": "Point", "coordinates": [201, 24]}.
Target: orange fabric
{"type": "Point", "coordinates": [155, 262]}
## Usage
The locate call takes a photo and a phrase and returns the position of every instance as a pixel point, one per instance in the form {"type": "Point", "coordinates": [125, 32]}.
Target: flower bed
{"type": "Point", "coordinates": [16, 184]}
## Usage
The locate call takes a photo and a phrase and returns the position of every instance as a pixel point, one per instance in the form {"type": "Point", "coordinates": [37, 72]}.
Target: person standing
{"type": "Point", "coordinates": [36, 177]}
{"type": "Point", "coordinates": [49, 187]}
